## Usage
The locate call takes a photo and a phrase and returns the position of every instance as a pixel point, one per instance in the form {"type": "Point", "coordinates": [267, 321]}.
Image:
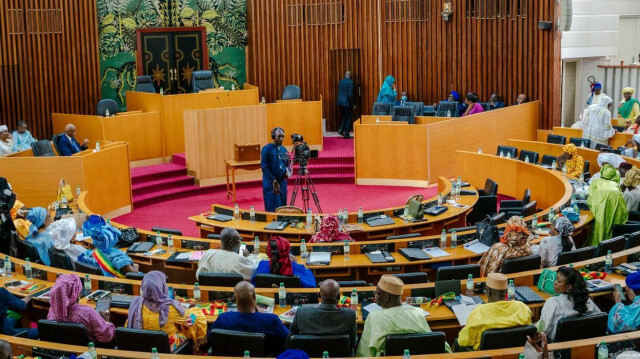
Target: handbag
{"type": "Point", "coordinates": [537, 348]}
{"type": "Point", "coordinates": [64, 191]}
{"type": "Point", "coordinates": [127, 237]}
{"type": "Point", "coordinates": [80, 218]}
{"type": "Point", "coordinates": [487, 231]}
{"type": "Point", "coordinates": [416, 208]}
{"type": "Point", "coordinates": [545, 283]}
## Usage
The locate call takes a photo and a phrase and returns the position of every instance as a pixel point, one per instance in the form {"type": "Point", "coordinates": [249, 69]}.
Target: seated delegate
{"type": "Point", "coordinates": [473, 106]}
{"type": "Point", "coordinates": [280, 263]}
{"type": "Point", "coordinates": [625, 318]}
{"type": "Point", "coordinates": [22, 138]}
{"type": "Point", "coordinates": [557, 242]}
{"type": "Point", "coordinates": [227, 259]}
{"type": "Point", "coordinates": [571, 159]}
{"type": "Point", "coordinates": [606, 203]}
{"type": "Point", "coordinates": [514, 243]}
{"type": "Point", "coordinates": [40, 219]}
{"type": "Point", "coordinates": [572, 299]}
{"type": "Point", "coordinates": [631, 189]}
{"type": "Point", "coordinates": [495, 103]}
{"type": "Point", "coordinates": [64, 307]}
{"type": "Point", "coordinates": [11, 326]}
{"type": "Point", "coordinates": [68, 144]}
{"type": "Point", "coordinates": [63, 232]}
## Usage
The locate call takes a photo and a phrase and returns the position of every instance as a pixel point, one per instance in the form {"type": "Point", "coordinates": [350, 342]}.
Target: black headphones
{"type": "Point", "coordinates": [273, 132]}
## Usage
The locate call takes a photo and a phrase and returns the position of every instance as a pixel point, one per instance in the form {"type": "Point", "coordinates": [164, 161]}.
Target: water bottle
{"type": "Point", "coordinates": [263, 101]}
{"type": "Point", "coordinates": [377, 119]}
{"type": "Point", "coordinates": [97, 145]}
{"type": "Point", "coordinates": [158, 238]}
{"type": "Point", "coordinates": [325, 355]}
{"type": "Point", "coordinates": [581, 144]}
{"type": "Point", "coordinates": [470, 285]}
{"type": "Point", "coordinates": [7, 266]}
{"type": "Point", "coordinates": [603, 351]}
{"type": "Point", "coordinates": [92, 351]}
{"type": "Point", "coordinates": [406, 213]}
{"type": "Point", "coordinates": [443, 239]}
{"type": "Point", "coordinates": [309, 219]}
{"type": "Point", "coordinates": [406, 355]}
{"type": "Point", "coordinates": [303, 248]}
{"type": "Point", "coordinates": [196, 293]}
{"type": "Point", "coordinates": [340, 220]}
{"type": "Point", "coordinates": [459, 182]}
{"type": "Point", "coordinates": [252, 214]}
{"type": "Point", "coordinates": [440, 199]}
{"type": "Point", "coordinates": [233, 87]}
{"type": "Point", "coordinates": [154, 353]}
{"type": "Point", "coordinates": [345, 216]}
{"type": "Point", "coordinates": [360, 215]}
{"type": "Point", "coordinates": [501, 153]}
{"type": "Point", "coordinates": [480, 150]}
{"type": "Point", "coordinates": [246, 355]}
{"type": "Point", "coordinates": [106, 113]}
{"type": "Point", "coordinates": [608, 262]}
{"type": "Point", "coordinates": [65, 203]}
{"type": "Point", "coordinates": [282, 296]}
{"type": "Point", "coordinates": [236, 212]}
{"type": "Point", "coordinates": [534, 222]}
{"type": "Point", "coordinates": [511, 290]}
{"type": "Point", "coordinates": [354, 299]}
{"type": "Point", "coordinates": [564, 168]}
{"type": "Point", "coordinates": [87, 284]}
{"type": "Point", "coordinates": [161, 91]}
{"type": "Point", "coordinates": [508, 155]}
{"type": "Point", "coordinates": [526, 159]}
{"type": "Point", "coordinates": [170, 244]}
{"type": "Point", "coordinates": [346, 251]}
{"type": "Point", "coordinates": [256, 246]}
{"type": "Point", "coordinates": [78, 191]}
{"type": "Point", "coordinates": [27, 269]}
{"type": "Point", "coordinates": [449, 113]}
{"type": "Point", "coordinates": [552, 214]}
{"type": "Point", "coordinates": [454, 239]}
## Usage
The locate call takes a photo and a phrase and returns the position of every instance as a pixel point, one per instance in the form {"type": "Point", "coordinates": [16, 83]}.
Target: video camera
{"type": "Point", "coordinates": [301, 152]}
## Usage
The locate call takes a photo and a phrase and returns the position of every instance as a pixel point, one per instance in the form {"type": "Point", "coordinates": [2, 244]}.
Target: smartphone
{"type": "Point", "coordinates": [13, 284]}
{"type": "Point", "coordinates": [103, 304]}
{"type": "Point", "coordinates": [618, 288]}
{"type": "Point", "coordinates": [241, 249]}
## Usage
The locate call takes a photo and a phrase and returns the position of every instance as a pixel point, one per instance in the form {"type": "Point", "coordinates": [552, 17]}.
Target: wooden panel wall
{"type": "Point", "coordinates": [498, 48]}
{"type": "Point", "coordinates": [48, 61]}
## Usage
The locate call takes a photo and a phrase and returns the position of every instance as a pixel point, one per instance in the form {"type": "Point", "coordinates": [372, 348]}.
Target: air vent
{"type": "Point", "coordinates": [44, 21]}
{"type": "Point", "coordinates": [406, 10]}
{"type": "Point", "coordinates": [324, 13]}
{"type": "Point", "coordinates": [295, 15]}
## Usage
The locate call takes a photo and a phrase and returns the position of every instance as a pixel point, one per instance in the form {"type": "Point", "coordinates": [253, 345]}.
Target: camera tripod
{"type": "Point", "coordinates": [304, 183]}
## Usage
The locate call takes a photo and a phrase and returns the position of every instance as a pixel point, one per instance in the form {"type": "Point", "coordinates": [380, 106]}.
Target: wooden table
{"type": "Point", "coordinates": [234, 165]}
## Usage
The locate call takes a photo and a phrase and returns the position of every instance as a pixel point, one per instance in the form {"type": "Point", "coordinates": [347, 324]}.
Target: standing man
{"type": "Point", "coordinates": [596, 94]}
{"type": "Point", "coordinates": [346, 104]}
{"type": "Point", "coordinates": [274, 161]}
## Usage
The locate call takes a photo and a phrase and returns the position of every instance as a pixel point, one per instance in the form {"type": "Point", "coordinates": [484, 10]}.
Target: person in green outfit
{"type": "Point", "coordinates": [606, 203]}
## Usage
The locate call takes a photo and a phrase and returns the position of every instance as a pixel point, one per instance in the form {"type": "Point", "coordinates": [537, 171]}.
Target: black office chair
{"type": "Point", "coordinates": [230, 343]}
{"type": "Point", "coordinates": [416, 343]}
{"type": "Point", "coordinates": [220, 279]}
{"type": "Point", "coordinates": [521, 264]}
{"type": "Point", "coordinates": [134, 275]}
{"type": "Point", "coordinates": [87, 268]}
{"type": "Point", "coordinates": [447, 109]}
{"type": "Point", "coordinates": [428, 111]}
{"type": "Point", "coordinates": [487, 203]}
{"type": "Point", "coordinates": [619, 128]}
{"type": "Point", "coordinates": [107, 104]}
{"type": "Point", "coordinates": [173, 232]}
{"type": "Point", "coordinates": [201, 80]}
{"type": "Point", "coordinates": [60, 259]}
{"type": "Point", "coordinates": [350, 283]}
{"type": "Point", "coordinates": [548, 159]}
{"type": "Point", "coordinates": [507, 337]}
{"type": "Point", "coordinates": [579, 142]}
{"type": "Point", "coordinates": [490, 188]}
{"type": "Point", "coordinates": [515, 207]}
{"type": "Point", "coordinates": [485, 106]}
{"type": "Point", "coordinates": [507, 150]}
{"type": "Point", "coordinates": [627, 228]}
{"type": "Point", "coordinates": [42, 148]}
{"type": "Point", "coordinates": [315, 345]}
{"type": "Point", "coordinates": [444, 286]}
{"type": "Point", "coordinates": [382, 109]}
{"type": "Point", "coordinates": [145, 84]}
{"type": "Point", "coordinates": [632, 240]}
{"type": "Point", "coordinates": [268, 280]}
{"type": "Point", "coordinates": [403, 113]}
{"type": "Point", "coordinates": [586, 167]}
{"type": "Point", "coordinates": [458, 272]}
{"type": "Point", "coordinates": [74, 333]}
{"type": "Point", "coordinates": [213, 236]}
{"type": "Point", "coordinates": [28, 250]}
{"type": "Point", "coordinates": [291, 92]}
{"type": "Point", "coordinates": [530, 209]}
{"type": "Point", "coordinates": [577, 255]}
{"type": "Point", "coordinates": [581, 327]}
{"type": "Point", "coordinates": [614, 245]}
{"type": "Point", "coordinates": [412, 278]}
{"type": "Point", "coordinates": [497, 218]}
{"type": "Point", "coordinates": [601, 147]}
{"type": "Point", "coordinates": [418, 107]}
{"type": "Point", "coordinates": [56, 141]}
{"type": "Point", "coordinates": [559, 140]}
{"type": "Point", "coordinates": [140, 340]}
{"type": "Point", "coordinates": [533, 156]}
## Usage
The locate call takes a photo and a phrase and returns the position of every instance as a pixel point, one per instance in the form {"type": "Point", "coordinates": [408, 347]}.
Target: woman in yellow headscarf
{"type": "Point", "coordinates": [574, 162]}
{"type": "Point", "coordinates": [631, 189]}
{"type": "Point", "coordinates": [606, 203]}
{"type": "Point", "coordinates": [629, 107]}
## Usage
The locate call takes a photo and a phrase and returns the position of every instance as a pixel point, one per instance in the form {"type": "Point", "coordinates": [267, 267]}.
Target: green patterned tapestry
{"type": "Point", "coordinates": [225, 21]}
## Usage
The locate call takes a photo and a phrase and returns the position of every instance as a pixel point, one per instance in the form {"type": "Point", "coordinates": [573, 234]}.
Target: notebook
{"type": "Point", "coordinates": [319, 258]}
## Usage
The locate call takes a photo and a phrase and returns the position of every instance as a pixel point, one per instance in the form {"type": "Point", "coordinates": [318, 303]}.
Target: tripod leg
{"type": "Point", "coordinates": [294, 193]}
{"type": "Point", "coordinates": [310, 184]}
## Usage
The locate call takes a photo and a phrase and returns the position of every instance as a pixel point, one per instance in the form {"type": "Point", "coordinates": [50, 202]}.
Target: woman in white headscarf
{"type": "Point", "coordinates": [6, 143]}
{"type": "Point", "coordinates": [595, 122]}
{"type": "Point", "coordinates": [610, 158]}
{"type": "Point", "coordinates": [63, 231]}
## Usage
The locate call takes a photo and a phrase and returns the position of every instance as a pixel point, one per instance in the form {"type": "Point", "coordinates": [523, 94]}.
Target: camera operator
{"type": "Point", "coordinates": [274, 161]}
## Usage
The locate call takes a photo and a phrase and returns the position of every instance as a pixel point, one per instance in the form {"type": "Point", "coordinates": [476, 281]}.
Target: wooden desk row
{"type": "Point", "coordinates": [618, 140]}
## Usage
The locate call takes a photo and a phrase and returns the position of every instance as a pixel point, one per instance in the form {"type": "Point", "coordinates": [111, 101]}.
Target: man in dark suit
{"type": "Point", "coordinates": [345, 104]}
{"type": "Point", "coordinates": [68, 144]}
{"type": "Point", "coordinates": [327, 318]}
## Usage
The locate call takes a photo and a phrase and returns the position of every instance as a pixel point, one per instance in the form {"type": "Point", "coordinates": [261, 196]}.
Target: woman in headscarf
{"type": "Point", "coordinates": [454, 96]}
{"type": "Point", "coordinates": [595, 122]}
{"type": "Point", "coordinates": [40, 219]}
{"type": "Point", "coordinates": [330, 231]}
{"type": "Point", "coordinates": [633, 129]}
{"type": "Point", "coordinates": [63, 232]}
{"type": "Point", "coordinates": [388, 91]}
{"type": "Point", "coordinates": [607, 158]}
{"type": "Point", "coordinates": [112, 261]}
{"type": "Point", "coordinates": [559, 241]}
{"type": "Point", "coordinates": [278, 251]}
{"type": "Point", "coordinates": [6, 143]}
{"type": "Point", "coordinates": [574, 162]}
{"type": "Point", "coordinates": [155, 310]}
{"type": "Point", "coordinates": [606, 203]}
{"type": "Point", "coordinates": [64, 307]}
{"type": "Point", "coordinates": [514, 243]}
{"type": "Point", "coordinates": [473, 106]}
{"type": "Point", "coordinates": [629, 107]}
{"type": "Point", "coordinates": [630, 189]}
{"type": "Point", "coordinates": [626, 318]}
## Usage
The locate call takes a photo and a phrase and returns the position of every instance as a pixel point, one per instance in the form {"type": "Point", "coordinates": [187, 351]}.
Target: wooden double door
{"type": "Point", "coordinates": [171, 55]}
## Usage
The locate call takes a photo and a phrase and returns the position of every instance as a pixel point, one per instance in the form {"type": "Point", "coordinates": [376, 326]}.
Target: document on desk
{"type": "Point", "coordinates": [476, 247]}
{"type": "Point", "coordinates": [435, 252]}
{"type": "Point", "coordinates": [462, 312]}
{"type": "Point", "coordinates": [184, 256]}
{"type": "Point", "coordinates": [319, 258]}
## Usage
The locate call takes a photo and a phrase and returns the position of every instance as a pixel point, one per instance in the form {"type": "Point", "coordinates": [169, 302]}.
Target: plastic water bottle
{"type": "Point", "coordinates": [27, 269]}
{"type": "Point", "coordinates": [233, 87]}
{"type": "Point", "coordinates": [534, 222]}
{"type": "Point", "coordinates": [511, 290]}
{"type": "Point", "coordinates": [406, 213]}
{"type": "Point", "coordinates": [247, 355]}
{"type": "Point", "coordinates": [154, 353]}
{"type": "Point", "coordinates": [454, 239]}
{"type": "Point", "coordinates": [256, 245]}
{"type": "Point", "coordinates": [564, 168]}
{"type": "Point", "coordinates": [377, 119]}
{"type": "Point", "coordinates": [345, 216]}
{"type": "Point", "coordinates": [158, 239]}
{"type": "Point", "coordinates": [65, 203]}
{"type": "Point", "coordinates": [309, 219]}
{"type": "Point", "coordinates": [263, 100]}
{"type": "Point", "coordinates": [170, 244]}
{"type": "Point", "coordinates": [501, 153]}
{"type": "Point", "coordinates": [470, 285]}
{"type": "Point", "coordinates": [440, 199]}
{"type": "Point", "coordinates": [282, 296]}
{"type": "Point", "coordinates": [443, 239]}
{"type": "Point", "coordinates": [92, 351]}
{"type": "Point", "coordinates": [354, 299]}
{"type": "Point", "coordinates": [340, 220]}
{"type": "Point", "coordinates": [459, 182]}
{"type": "Point", "coordinates": [325, 355]}
{"type": "Point", "coordinates": [449, 113]}
{"type": "Point", "coordinates": [87, 284]}
{"type": "Point", "coordinates": [303, 248]}
{"type": "Point", "coordinates": [552, 214]}
{"type": "Point", "coordinates": [7, 266]}
{"type": "Point", "coordinates": [252, 214]}
{"type": "Point", "coordinates": [97, 145]}
{"type": "Point", "coordinates": [407, 354]}
{"type": "Point", "coordinates": [106, 113]}
{"type": "Point", "coordinates": [346, 251]}
{"type": "Point", "coordinates": [196, 293]}
{"type": "Point", "coordinates": [508, 155]}
{"type": "Point", "coordinates": [236, 212]}
{"type": "Point", "coordinates": [608, 262]}
{"type": "Point", "coordinates": [78, 191]}
{"type": "Point", "coordinates": [479, 150]}
{"type": "Point", "coordinates": [603, 351]}
{"type": "Point", "coordinates": [554, 165]}
{"type": "Point", "coordinates": [360, 215]}
{"type": "Point", "coordinates": [161, 91]}
{"type": "Point", "coordinates": [526, 159]}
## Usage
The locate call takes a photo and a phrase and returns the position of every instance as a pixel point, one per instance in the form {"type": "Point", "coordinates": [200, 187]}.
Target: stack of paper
{"type": "Point", "coordinates": [319, 258]}
{"type": "Point", "coordinates": [476, 247]}
{"type": "Point", "coordinates": [462, 312]}
{"type": "Point", "coordinates": [435, 252]}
